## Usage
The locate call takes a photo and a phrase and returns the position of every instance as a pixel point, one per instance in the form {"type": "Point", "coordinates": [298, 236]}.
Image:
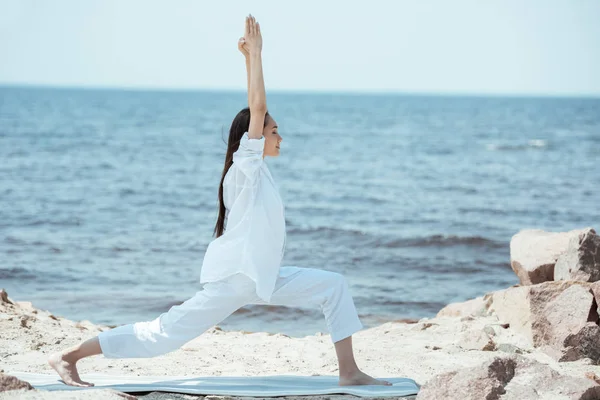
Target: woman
{"type": "Point", "coordinates": [242, 265]}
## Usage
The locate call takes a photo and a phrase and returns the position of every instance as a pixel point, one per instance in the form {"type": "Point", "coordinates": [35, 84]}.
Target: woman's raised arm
{"type": "Point", "coordinates": [257, 99]}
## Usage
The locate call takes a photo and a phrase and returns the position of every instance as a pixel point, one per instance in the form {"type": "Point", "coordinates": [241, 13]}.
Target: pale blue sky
{"type": "Point", "coordinates": [478, 47]}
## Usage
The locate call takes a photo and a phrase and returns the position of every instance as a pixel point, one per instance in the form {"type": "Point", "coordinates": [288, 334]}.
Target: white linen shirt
{"type": "Point", "coordinates": [254, 238]}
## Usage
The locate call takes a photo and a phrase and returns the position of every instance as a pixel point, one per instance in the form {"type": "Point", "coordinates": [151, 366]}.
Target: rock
{"type": "Point", "coordinates": [26, 319]}
{"type": "Point", "coordinates": [521, 392]}
{"type": "Point", "coordinates": [509, 348]}
{"type": "Point", "coordinates": [25, 306]}
{"type": "Point", "coordinates": [592, 375]}
{"type": "Point", "coordinates": [581, 261]}
{"type": "Point", "coordinates": [406, 320]}
{"type": "Point", "coordinates": [9, 382]}
{"type": "Point", "coordinates": [512, 306]}
{"type": "Point", "coordinates": [565, 315]}
{"type": "Point", "coordinates": [490, 330]}
{"type": "Point", "coordinates": [421, 326]}
{"type": "Point", "coordinates": [558, 317]}
{"type": "Point", "coordinates": [583, 344]}
{"type": "Point", "coordinates": [523, 307]}
{"type": "Point", "coordinates": [476, 340]}
{"type": "Point", "coordinates": [427, 325]}
{"type": "Point", "coordinates": [511, 377]}
{"type": "Point", "coordinates": [486, 381]}
{"type": "Point", "coordinates": [547, 383]}
{"type": "Point", "coordinates": [534, 252]}
{"type": "Point", "coordinates": [476, 307]}
{"type": "Point", "coordinates": [4, 297]}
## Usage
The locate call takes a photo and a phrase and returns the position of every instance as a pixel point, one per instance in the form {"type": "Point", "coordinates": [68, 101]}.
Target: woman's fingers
{"type": "Point", "coordinates": [252, 27]}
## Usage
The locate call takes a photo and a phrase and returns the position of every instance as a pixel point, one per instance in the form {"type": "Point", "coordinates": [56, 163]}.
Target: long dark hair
{"type": "Point", "coordinates": [240, 125]}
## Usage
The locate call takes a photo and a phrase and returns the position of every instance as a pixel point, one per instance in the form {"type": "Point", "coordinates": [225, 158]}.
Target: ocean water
{"type": "Point", "coordinates": [108, 198]}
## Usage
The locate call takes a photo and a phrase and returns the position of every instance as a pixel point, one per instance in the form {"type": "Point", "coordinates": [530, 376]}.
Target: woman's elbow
{"type": "Point", "coordinates": [258, 107]}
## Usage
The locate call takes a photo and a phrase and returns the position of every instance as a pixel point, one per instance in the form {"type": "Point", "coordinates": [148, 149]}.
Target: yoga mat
{"type": "Point", "coordinates": [262, 386]}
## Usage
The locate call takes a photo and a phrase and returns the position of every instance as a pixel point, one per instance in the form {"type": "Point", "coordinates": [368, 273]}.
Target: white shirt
{"type": "Point", "coordinates": [253, 241]}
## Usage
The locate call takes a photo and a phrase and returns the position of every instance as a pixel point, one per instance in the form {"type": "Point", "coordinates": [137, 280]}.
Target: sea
{"type": "Point", "coordinates": [108, 197]}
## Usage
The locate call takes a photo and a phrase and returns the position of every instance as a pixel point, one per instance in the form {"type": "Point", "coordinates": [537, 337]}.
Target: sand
{"type": "Point", "coordinates": [418, 350]}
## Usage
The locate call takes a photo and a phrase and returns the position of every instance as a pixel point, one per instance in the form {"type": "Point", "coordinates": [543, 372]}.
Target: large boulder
{"type": "Point", "coordinates": [481, 382]}
{"type": "Point", "coordinates": [511, 377]}
{"type": "Point", "coordinates": [534, 380]}
{"type": "Point", "coordinates": [581, 260]}
{"type": "Point", "coordinates": [551, 315]}
{"type": "Point", "coordinates": [534, 253]}
{"type": "Point", "coordinates": [564, 315]}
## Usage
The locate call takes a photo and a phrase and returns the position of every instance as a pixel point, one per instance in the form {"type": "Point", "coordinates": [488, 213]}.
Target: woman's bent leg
{"type": "Point", "coordinates": [301, 287]}
{"type": "Point", "coordinates": [182, 323]}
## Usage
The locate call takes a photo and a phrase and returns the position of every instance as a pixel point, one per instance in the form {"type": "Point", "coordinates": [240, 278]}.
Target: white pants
{"type": "Point", "coordinates": [295, 286]}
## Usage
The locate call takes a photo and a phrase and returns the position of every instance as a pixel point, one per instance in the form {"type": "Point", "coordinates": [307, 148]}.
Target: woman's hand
{"type": "Point", "coordinates": [243, 48]}
{"type": "Point", "coordinates": [252, 35]}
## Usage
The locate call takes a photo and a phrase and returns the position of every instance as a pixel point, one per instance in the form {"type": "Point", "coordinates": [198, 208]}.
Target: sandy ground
{"type": "Point", "coordinates": [418, 350]}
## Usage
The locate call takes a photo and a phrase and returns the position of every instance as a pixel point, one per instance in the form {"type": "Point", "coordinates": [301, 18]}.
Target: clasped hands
{"type": "Point", "coordinates": [251, 42]}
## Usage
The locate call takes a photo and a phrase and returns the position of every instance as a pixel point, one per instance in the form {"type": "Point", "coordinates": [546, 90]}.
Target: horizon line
{"type": "Point", "coordinates": [397, 92]}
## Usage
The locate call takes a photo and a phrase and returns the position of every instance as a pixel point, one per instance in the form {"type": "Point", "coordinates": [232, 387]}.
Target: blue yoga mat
{"type": "Point", "coordinates": [262, 386]}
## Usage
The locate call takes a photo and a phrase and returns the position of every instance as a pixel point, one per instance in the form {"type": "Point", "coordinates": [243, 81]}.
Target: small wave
{"type": "Point", "coordinates": [441, 241]}
{"type": "Point", "coordinates": [504, 265]}
{"type": "Point", "coordinates": [482, 210]}
{"type": "Point", "coordinates": [277, 313]}
{"type": "Point", "coordinates": [16, 273]}
{"type": "Point", "coordinates": [13, 240]}
{"type": "Point", "coordinates": [118, 249]}
{"type": "Point", "coordinates": [405, 305]}
{"type": "Point", "coordinates": [126, 192]}
{"type": "Point", "coordinates": [459, 189]}
{"type": "Point", "coordinates": [420, 304]}
{"type": "Point", "coordinates": [72, 222]}
{"type": "Point", "coordinates": [533, 143]}
{"type": "Point", "coordinates": [537, 143]}
{"type": "Point", "coordinates": [383, 318]}
{"type": "Point", "coordinates": [106, 165]}
{"type": "Point", "coordinates": [326, 231]}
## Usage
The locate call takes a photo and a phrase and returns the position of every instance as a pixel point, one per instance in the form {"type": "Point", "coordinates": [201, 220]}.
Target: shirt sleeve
{"type": "Point", "coordinates": [249, 156]}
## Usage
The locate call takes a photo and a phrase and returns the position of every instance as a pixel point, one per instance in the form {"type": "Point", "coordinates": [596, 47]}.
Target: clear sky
{"type": "Point", "coordinates": [478, 47]}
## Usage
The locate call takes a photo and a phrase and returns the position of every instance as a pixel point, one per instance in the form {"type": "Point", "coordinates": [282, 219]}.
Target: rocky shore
{"type": "Point", "coordinates": [539, 339]}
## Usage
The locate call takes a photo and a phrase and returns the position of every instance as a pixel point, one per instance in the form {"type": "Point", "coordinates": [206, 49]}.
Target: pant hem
{"type": "Point", "coordinates": [343, 334]}
{"type": "Point", "coordinates": [104, 347]}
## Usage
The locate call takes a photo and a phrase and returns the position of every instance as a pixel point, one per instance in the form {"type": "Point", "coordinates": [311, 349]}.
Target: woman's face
{"type": "Point", "coordinates": [272, 138]}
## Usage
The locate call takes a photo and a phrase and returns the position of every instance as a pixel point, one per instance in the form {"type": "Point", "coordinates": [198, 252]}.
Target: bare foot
{"type": "Point", "coordinates": [360, 378]}
{"type": "Point", "coordinates": [67, 370]}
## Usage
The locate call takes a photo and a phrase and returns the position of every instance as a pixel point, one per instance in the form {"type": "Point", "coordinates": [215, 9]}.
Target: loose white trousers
{"type": "Point", "coordinates": [217, 300]}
